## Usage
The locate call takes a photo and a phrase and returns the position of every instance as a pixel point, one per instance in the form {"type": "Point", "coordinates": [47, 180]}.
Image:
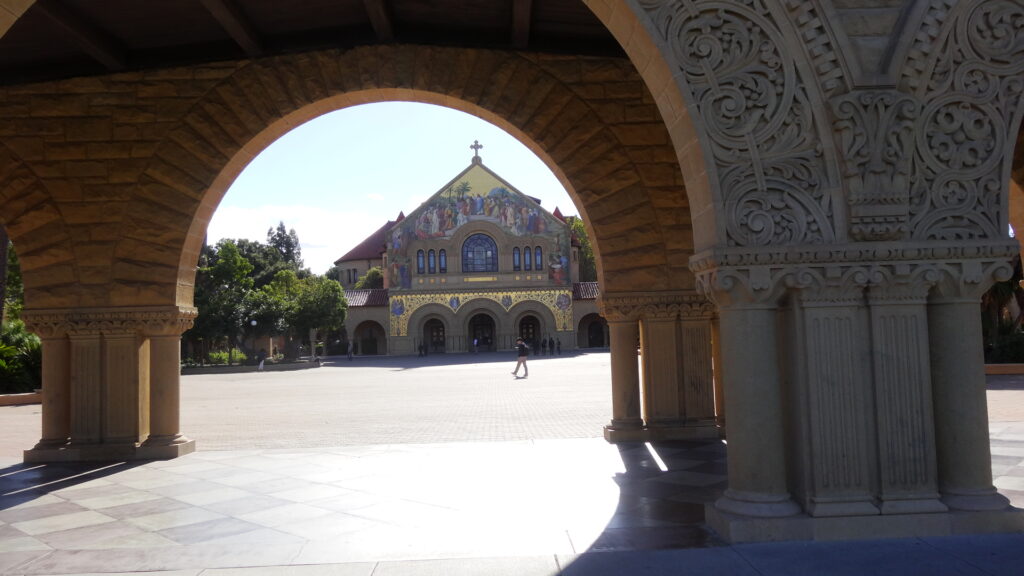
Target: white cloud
{"type": "Point", "coordinates": [324, 233]}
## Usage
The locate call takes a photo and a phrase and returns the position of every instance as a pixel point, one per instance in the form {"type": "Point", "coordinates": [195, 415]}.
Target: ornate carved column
{"type": "Point", "coordinates": [99, 381]}
{"type": "Point", "coordinates": [748, 310]}
{"type": "Point", "coordinates": [164, 334]}
{"type": "Point", "coordinates": [903, 396]}
{"type": "Point", "coordinates": [958, 387]}
{"type": "Point", "coordinates": [624, 332]}
{"type": "Point", "coordinates": [836, 426]}
{"type": "Point", "coordinates": [56, 389]}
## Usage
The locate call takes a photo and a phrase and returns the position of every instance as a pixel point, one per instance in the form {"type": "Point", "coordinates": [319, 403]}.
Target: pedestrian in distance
{"type": "Point", "coordinates": [261, 357]}
{"type": "Point", "coordinates": [543, 345]}
{"type": "Point", "coordinates": [522, 350]}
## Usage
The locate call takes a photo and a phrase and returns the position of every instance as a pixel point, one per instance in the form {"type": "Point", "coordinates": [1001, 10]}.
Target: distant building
{"type": "Point", "coordinates": [480, 262]}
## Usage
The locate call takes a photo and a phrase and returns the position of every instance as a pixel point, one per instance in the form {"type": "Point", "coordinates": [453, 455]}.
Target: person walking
{"type": "Point", "coordinates": [521, 351]}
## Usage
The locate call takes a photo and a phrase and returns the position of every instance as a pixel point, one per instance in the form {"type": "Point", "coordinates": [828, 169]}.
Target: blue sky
{"type": "Point", "coordinates": [339, 177]}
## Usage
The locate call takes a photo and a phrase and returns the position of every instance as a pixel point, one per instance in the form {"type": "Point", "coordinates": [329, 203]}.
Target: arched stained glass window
{"type": "Point", "coordinates": [479, 254]}
{"type": "Point", "coordinates": [442, 258]}
{"type": "Point", "coordinates": [527, 261]}
{"type": "Point", "coordinates": [538, 259]}
{"type": "Point", "coordinates": [432, 262]}
{"type": "Point", "coordinates": [419, 262]}
{"type": "Point", "coordinates": [517, 261]}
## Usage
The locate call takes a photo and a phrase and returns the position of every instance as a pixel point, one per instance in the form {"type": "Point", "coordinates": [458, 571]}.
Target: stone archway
{"type": "Point", "coordinates": [592, 332]}
{"type": "Point", "coordinates": [482, 333]}
{"type": "Point", "coordinates": [370, 339]}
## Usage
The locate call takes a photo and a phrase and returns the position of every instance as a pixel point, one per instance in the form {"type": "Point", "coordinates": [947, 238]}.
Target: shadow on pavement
{"type": "Point", "coordinates": [22, 483]}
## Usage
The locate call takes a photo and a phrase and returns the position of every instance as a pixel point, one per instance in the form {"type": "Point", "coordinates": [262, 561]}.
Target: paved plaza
{"type": "Point", "coordinates": [439, 465]}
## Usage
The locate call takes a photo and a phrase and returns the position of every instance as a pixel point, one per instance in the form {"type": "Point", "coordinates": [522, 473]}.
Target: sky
{"type": "Point", "coordinates": [341, 176]}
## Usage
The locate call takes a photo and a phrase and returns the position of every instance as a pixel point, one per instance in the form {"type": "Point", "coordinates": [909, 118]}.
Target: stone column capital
{"type": "Point", "coordinates": [83, 322]}
{"type": "Point", "coordinates": [634, 306]}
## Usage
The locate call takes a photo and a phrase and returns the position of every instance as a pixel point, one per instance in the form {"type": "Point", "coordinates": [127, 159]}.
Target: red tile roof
{"type": "Point", "coordinates": [375, 297]}
{"type": "Point", "coordinates": [374, 245]}
{"type": "Point", "coordinates": [585, 291]}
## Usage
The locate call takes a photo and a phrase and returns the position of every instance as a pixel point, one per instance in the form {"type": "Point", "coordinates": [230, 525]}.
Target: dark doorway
{"type": "Point", "coordinates": [481, 331]}
{"type": "Point", "coordinates": [529, 331]}
{"type": "Point", "coordinates": [433, 336]}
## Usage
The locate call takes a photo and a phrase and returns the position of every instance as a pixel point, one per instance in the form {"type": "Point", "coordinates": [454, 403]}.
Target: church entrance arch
{"type": "Point", "coordinates": [482, 332]}
{"type": "Point", "coordinates": [530, 331]}
{"type": "Point", "coordinates": [370, 339]}
{"type": "Point", "coordinates": [592, 332]}
{"type": "Point", "coordinates": [434, 336]}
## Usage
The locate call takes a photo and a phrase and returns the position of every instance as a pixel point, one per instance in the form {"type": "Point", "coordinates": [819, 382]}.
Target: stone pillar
{"type": "Point", "coordinates": [56, 385]}
{"type": "Point", "coordinates": [698, 392]}
{"type": "Point", "coordinates": [719, 371]}
{"type": "Point", "coordinates": [662, 369]}
{"type": "Point", "coordinates": [835, 425]}
{"type": "Point", "coordinates": [961, 408]}
{"type": "Point", "coordinates": [86, 383]}
{"type": "Point", "coordinates": [753, 398]}
{"type": "Point", "coordinates": [626, 424]}
{"type": "Point", "coordinates": [903, 394]}
{"type": "Point", "coordinates": [165, 438]}
{"type": "Point", "coordinates": [97, 381]}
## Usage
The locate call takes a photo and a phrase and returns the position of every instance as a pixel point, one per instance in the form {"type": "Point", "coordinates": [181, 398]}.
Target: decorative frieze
{"type": "Point", "coordinates": [145, 321]}
{"type": "Point", "coordinates": [623, 306]}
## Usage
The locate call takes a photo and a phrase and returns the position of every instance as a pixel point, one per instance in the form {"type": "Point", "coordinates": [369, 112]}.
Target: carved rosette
{"type": "Point", "coordinates": [967, 67]}
{"type": "Point", "coordinates": [170, 321]}
{"type": "Point", "coordinates": [634, 307]}
{"type": "Point", "coordinates": [875, 132]}
{"type": "Point", "coordinates": [758, 118]}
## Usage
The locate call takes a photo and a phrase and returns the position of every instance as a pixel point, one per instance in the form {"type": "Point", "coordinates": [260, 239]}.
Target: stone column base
{"type": "Point", "coordinates": [107, 452]}
{"type": "Point", "coordinates": [616, 434]}
{"type": "Point", "coordinates": [737, 529]}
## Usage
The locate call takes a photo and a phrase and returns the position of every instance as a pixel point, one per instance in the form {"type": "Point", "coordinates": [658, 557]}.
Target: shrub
{"type": "Point", "coordinates": [221, 357]}
{"type": "Point", "coordinates": [21, 359]}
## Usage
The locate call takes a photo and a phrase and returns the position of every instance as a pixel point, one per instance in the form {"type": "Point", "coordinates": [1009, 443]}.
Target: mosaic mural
{"type": "Point", "coordinates": [559, 302]}
{"type": "Point", "coordinates": [476, 196]}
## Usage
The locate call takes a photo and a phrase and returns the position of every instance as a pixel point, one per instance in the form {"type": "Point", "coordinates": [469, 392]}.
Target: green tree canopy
{"type": "Point", "coordinates": [320, 305]}
{"type": "Point", "coordinates": [588, 266]}
{"type": "Point", "coordinates": [286, 242]}
{"type": "Point", "coordinates": [220, 288]}
{"type": "Point", "coordinates": [373, 279]}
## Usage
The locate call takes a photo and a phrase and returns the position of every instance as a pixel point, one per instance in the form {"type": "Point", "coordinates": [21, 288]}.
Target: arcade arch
{"type": "Point", "coordinates": [817, 252]}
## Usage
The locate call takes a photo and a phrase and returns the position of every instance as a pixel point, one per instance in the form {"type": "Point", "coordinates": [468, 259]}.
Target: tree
{"type": "Point", "coordinates": [588, 266]}
{"type": "Point", "coordinates": [5, 243]}
{"type": "Point", "coordinates": [334, 273]}
{"type": "Point", "coordinates": [374, 278]}
{"type": "Point", "coordinates": [14, 291]}
{"type": "Point", "coordinates": [266, 260]}
{"type": "Point", "coordinates": [320, 305]}
{"type": "Point", "coordinates": [221, 287]}
{"type": "Point", "coordinates": [286, 242]}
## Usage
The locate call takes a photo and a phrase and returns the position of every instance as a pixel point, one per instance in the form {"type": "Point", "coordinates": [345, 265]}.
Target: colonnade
{"type": "Point", "coordinates": [110, 383]}
{"type": "Point", "coordinates": [669, 394]}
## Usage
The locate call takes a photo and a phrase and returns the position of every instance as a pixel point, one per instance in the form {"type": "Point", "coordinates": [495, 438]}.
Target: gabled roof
{"type": "Point", "coordinates": [374, 297]}
{"type": "Point", "coordinates": [584, 291]}
{"type": "Point", "coordinates": [373, 246]}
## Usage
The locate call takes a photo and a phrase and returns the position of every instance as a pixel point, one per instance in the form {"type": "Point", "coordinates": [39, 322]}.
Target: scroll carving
{"type": "Point", "coordinates": [757, 114]}
{"type": "Point", "coordinates": [967, 66]}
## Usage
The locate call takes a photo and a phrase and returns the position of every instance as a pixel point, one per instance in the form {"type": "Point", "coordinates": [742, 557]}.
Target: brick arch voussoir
{"type": "Point", "coordinates": [37, 228]}
{"type": "Point", "coordinates": [231, 123]}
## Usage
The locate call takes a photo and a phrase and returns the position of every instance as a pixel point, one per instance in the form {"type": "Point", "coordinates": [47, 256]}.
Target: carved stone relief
{"type": "Point", "coordinates": [758, 118]}
{"type": "Point", "coordinates": [967, 66]}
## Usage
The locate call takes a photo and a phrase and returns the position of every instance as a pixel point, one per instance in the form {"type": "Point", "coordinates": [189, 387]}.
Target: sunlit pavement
{"type": "Point", "coordinates": [418, 466]}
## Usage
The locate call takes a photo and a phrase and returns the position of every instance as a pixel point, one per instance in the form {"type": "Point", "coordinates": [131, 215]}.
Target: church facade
{"type": "Point", "coordinates": [475, 267]}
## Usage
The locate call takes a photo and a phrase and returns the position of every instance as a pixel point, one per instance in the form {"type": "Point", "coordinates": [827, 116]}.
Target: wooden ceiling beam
{"type": "Point", "coordinates": [101, 46]}
{"type": "Point", "coordinates": [521, 15]}
{"type": "Point", "coordinates": [380, 18]}
{"type": "Point", "coordinates": [236, 25]}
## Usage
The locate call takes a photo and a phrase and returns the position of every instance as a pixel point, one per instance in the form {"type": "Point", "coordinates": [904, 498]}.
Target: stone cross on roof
{"type": "Point", "coordinates": [476, 146]}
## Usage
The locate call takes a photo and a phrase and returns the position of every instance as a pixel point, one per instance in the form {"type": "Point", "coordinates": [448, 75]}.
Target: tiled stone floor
{"type": "Point", "coordinates": [357, 504]}
{"type": "Point", "coordinates": [557, 505]}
